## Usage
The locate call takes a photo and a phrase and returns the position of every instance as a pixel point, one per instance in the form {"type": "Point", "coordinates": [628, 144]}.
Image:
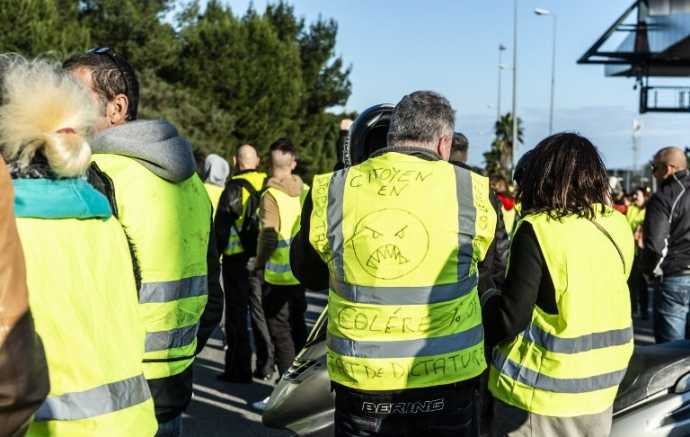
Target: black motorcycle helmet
{"type": "Point", "coordinates": [368, 133]}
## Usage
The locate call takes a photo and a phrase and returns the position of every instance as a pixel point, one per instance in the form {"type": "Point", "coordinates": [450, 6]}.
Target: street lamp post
{"type": "Point", "coordinates": [545, 12]}
{"type": "Point", "coordinates": [515, 72]}
{"type": "Point", "coordinates": [501, 49]}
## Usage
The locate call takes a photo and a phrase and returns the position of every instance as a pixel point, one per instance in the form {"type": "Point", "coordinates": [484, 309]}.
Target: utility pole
{"type": "Point", "coordinates": [501, 49]}
{"type": "Point", "coordinates": [636, 128]}
{"type": "Point", "coordinates": [515, 72]}
{"type": "Point", "coordinates": [547, 13]}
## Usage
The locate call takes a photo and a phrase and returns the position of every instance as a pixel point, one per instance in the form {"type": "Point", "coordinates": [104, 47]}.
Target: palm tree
{"type": "Point", "coordinates": [499, 157]}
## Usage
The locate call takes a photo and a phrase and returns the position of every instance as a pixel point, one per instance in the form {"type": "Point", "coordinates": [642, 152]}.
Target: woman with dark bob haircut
{"type": "Point", "coordinates": [562, 326]}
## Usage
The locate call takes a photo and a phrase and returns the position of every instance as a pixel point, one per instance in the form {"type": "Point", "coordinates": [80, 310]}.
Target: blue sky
{"type": "Point", "coordinates": [451, 46]}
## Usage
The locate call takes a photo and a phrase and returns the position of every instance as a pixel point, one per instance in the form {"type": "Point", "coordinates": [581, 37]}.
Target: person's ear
{"type": "Point", "coordinates": [116, 110]}
{"type": "Point", "coordinates": [668, 171]}
{"type": "Point", "coordinates": [293, 165]}
{"type": "Point", "coordinates": [443, 146]}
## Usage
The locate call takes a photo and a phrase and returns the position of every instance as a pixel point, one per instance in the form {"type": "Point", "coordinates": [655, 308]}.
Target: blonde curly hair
{"type": "Point", "coordinates": [42, 110]}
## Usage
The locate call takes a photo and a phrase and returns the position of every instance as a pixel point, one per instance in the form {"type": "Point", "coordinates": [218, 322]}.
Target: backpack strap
{"type": "Point", "coordinates": [253, 194]}
{"type": "Point", "coordinates": [247, 186]}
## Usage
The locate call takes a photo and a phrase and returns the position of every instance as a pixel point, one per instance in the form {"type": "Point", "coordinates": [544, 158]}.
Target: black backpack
{"type": "Point", "coordinates": [249, 231]}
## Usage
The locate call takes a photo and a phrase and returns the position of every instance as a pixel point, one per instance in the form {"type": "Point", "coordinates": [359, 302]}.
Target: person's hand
{"type": "Point", "coordinates": [345, 124]}
{"type": "Point", "coordinates": [251, 264]}
{"type": "Point", "coordinates": [639, 237]}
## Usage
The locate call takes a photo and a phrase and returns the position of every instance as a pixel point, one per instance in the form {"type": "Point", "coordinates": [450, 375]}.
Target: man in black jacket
{"type": "Point", "coordinates": [243, 290]}
{"type": "Point", "coordinates": [666, 252]}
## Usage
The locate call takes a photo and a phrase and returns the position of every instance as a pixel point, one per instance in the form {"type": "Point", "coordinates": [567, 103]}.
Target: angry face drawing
{"type": "Point", "coordinates": [390, 243]}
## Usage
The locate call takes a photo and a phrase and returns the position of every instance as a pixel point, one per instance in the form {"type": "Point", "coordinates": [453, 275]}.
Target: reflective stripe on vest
{"type": "Point", "coordinates": [97, 401]}
{"type": "Point", "coordinates": [284, 243]}
{"type": "Point", "coordinates": [538, 380]}
{"type": "Point", "coordinates": [567, 364]}
{"type": "Point", "coordinates": [278, 268]}
{"type": "Point", "coordinates": [234, 246]}
{"type": "Point", "coordinates": [583, 343]}
{"type": "Point", "coordinates": [174, 338]}
{"type": "Point", "coordinates": [278, 271]}
{"type": "Point", "coordinates": [406, 348]}
{"type": "Point", "coordinates": [156, 292]}
{"type": "Point", "coordinates": [404, 295]}
{"type": "Point", "coordinates": [398, 320]}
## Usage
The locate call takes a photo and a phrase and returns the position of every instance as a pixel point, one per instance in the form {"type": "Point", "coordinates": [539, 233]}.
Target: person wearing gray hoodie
{"type": "Point", "coordinates": [216, 172]}
{"type": "Point", "coordinates": [147, 171]}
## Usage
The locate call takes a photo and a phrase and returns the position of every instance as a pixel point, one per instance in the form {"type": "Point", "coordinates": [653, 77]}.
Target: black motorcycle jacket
{"type": "Point", "coordinates": [667, 228]}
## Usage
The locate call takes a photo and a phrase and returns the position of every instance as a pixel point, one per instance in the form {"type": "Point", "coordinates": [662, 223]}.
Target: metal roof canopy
{"type": "Point", "coordinates": [656, 44]}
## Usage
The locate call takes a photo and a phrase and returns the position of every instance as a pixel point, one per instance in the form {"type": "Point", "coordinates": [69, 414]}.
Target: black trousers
{"type": "Point", "coordinates": [285, 306]}
{"type": "Point", "coordinates": [639, 298]}
{"type": "Point", "coordinates": [243, 292]}
{"type": "Point", "coordinates": [446, 411]}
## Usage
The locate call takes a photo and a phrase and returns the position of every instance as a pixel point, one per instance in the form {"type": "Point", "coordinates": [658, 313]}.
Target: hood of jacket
{"type": "Point", "coordinates": [291, 185]}
{"type": "Point", "coordinates": [155, 144]}
{"type": "Point", "coordinates": [216, 170]}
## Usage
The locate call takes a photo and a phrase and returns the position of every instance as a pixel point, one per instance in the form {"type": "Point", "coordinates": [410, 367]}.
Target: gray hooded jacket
{"type": "Point", "coordinates": [216, 170]}
{"type": "Point", "coordinates": [155, 144]}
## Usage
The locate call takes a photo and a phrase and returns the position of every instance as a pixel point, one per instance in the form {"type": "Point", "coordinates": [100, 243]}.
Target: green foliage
{"type": "Point", "coordinates": [498, 158]}
{"type": "Point", "coordinates": [41, 28]}
{"type": "Point", "coordinates": [221, 78]}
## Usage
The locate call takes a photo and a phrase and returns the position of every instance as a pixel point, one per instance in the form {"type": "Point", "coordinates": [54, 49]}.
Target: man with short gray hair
{"type": "Point", "coordinates": [423, 119]}
{"type": "Point", "coordinates": [397, 240]}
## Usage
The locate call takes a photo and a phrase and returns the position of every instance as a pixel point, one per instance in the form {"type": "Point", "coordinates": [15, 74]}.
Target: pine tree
{"type": "Point", "coordinates": [41, 28]}
{"type": "Point", "coordinates": [221, 78]}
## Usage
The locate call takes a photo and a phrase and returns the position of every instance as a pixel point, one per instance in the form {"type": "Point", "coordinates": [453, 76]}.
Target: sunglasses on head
{"type": "Point", "coordinates": [110, 54]}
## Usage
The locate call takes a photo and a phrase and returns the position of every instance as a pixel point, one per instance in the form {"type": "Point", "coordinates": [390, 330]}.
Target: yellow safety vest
{"type": "Point", "coordinates": [169, 225]}
{"type": "Point", "coordinates": [83, 299]}
{"type": "Point", "coordinates": [257, 179]}
{"type": "Point", "coordinates": [402, 238]}
{"type": "Point", "coordinates": [571, 364]}
{"type": "Point", "coordinates": [635, 216]}
{"type": "Point", "coordinates": [278, 271]}
{"type": "Point", "coordinates": [214, 192]}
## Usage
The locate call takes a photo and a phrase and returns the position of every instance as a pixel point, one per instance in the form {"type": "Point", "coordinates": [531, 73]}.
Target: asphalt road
{"type": "Point", "coordinates": [221, 409]}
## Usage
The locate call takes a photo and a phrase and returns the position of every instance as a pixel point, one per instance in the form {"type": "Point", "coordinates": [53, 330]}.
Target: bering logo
{"type": "Point", "coordinates": [416, 407]}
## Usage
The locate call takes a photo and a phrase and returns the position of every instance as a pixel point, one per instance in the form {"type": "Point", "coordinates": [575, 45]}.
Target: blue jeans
{"type": "Point", "coordinates": [172, 428]}
{"type": "Point", "coordinates": [671, 308]}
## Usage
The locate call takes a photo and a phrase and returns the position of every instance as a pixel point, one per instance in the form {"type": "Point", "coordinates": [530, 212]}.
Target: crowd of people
{"type": "Point", "coordinates": [256, 218]}
{"type": "Point", "coordinates": [442, 283]}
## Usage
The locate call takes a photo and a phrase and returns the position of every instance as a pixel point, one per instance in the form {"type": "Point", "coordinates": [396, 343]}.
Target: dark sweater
{"type": "Point", "coordinates": [527, 283]}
